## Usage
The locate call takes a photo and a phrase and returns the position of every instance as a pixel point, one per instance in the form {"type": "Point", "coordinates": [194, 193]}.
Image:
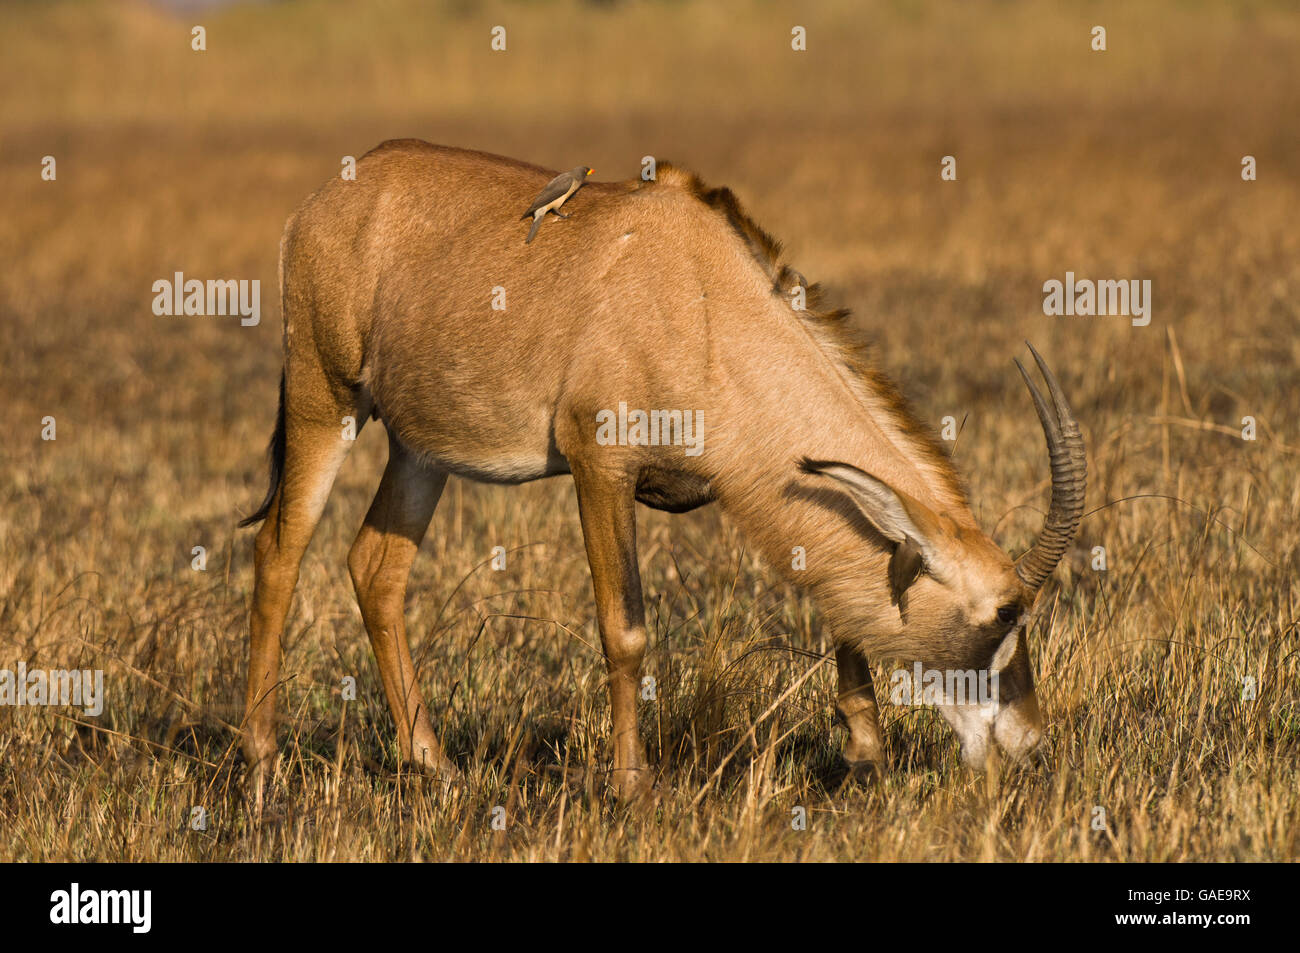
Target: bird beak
{"type": "Point", "coordinates": [589, 171]}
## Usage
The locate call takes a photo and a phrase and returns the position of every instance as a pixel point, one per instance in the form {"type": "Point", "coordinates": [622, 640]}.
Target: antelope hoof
{"type": "Point", "coordinates": [865, 759]}
{"type": "Point", "coordinates": [865, 772]}
{"type": "Point", "coordinates": [434, 765]}
{"type": "Point", "coordinates": [257, 777]}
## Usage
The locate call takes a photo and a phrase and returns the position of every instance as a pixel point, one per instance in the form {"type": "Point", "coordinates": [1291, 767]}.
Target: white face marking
{"type": "Point", "coordinates": [982, 594]}
{"type": "Point", "coordinates": [1002, 657]}
{"type": "Point", "coordinates": [971, 724]}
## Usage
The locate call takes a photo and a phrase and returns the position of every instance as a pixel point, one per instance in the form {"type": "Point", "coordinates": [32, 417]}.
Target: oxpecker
{"type": "Point", "coordinates": [555, 194]}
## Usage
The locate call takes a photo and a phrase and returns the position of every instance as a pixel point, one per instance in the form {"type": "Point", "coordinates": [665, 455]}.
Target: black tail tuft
{"type": "Point", "coordinates": [275, 453]}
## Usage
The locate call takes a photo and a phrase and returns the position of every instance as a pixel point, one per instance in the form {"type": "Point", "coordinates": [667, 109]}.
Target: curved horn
{"type": "Point", "coordinates": [1069, 479]}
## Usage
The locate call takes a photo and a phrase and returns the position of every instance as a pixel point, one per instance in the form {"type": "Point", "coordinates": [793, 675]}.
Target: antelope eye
{"type": "Point", "coordinates": [1008, 614]}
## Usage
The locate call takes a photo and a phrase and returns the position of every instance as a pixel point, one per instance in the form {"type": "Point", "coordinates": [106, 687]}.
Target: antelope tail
{"type": "Point", "coordinates": [275, 455]}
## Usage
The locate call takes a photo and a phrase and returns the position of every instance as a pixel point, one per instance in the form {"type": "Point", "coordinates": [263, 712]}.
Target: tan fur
{"type": "Point", "coordinates": [660, 295]}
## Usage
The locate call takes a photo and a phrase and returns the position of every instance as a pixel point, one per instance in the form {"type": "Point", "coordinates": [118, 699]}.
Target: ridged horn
{"type": "Point", "coordinates": [1069, 478]}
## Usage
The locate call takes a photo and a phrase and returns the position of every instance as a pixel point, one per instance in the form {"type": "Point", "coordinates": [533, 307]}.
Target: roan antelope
{"type": "Point", "coordinates": [659, 294]}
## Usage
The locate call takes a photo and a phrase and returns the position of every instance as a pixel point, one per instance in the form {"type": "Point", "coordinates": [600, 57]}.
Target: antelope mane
{"type": "Point", "coordinates": [832, 329]}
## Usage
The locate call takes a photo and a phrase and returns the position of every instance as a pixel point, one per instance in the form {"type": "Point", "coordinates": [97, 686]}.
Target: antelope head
{"type": "Point", "coordinates": [961, 602]}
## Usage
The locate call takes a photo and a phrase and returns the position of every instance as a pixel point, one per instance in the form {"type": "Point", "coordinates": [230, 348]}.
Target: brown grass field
{"type": "Point", "coordinates": [1124, 164]}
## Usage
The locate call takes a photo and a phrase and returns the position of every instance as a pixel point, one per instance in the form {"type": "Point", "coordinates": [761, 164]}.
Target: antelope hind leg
{"type": "Point", "coordinates": [314, 451]}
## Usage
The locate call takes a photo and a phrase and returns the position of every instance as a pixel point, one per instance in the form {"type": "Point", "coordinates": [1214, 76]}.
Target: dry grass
{"type": "Point", "coordinates": [1123, 164]}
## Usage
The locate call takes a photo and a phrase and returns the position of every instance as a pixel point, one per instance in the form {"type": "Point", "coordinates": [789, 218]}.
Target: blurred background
{"type": "Point", "coordinates": [1117, 164]}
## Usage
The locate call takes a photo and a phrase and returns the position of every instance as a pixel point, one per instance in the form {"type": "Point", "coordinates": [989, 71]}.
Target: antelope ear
{"type": "Point", "coordinates": [900, 518]}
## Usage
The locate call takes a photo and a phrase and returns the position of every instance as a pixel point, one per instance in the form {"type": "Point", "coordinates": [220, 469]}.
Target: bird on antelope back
{"type": "Point", "coordinates": [556, 193]}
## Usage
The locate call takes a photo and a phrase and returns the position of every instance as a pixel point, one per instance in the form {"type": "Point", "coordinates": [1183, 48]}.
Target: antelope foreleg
{"type": "Point", "coordinates": [607, 509]}
{"type": "Point", "coordinates": [856, 705]}
{"type": "Point", "coordinates": [380, 565]}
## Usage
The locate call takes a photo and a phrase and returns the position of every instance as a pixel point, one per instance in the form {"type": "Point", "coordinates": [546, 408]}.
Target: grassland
{"type": "Point", "coordinates": [1117, 164]}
